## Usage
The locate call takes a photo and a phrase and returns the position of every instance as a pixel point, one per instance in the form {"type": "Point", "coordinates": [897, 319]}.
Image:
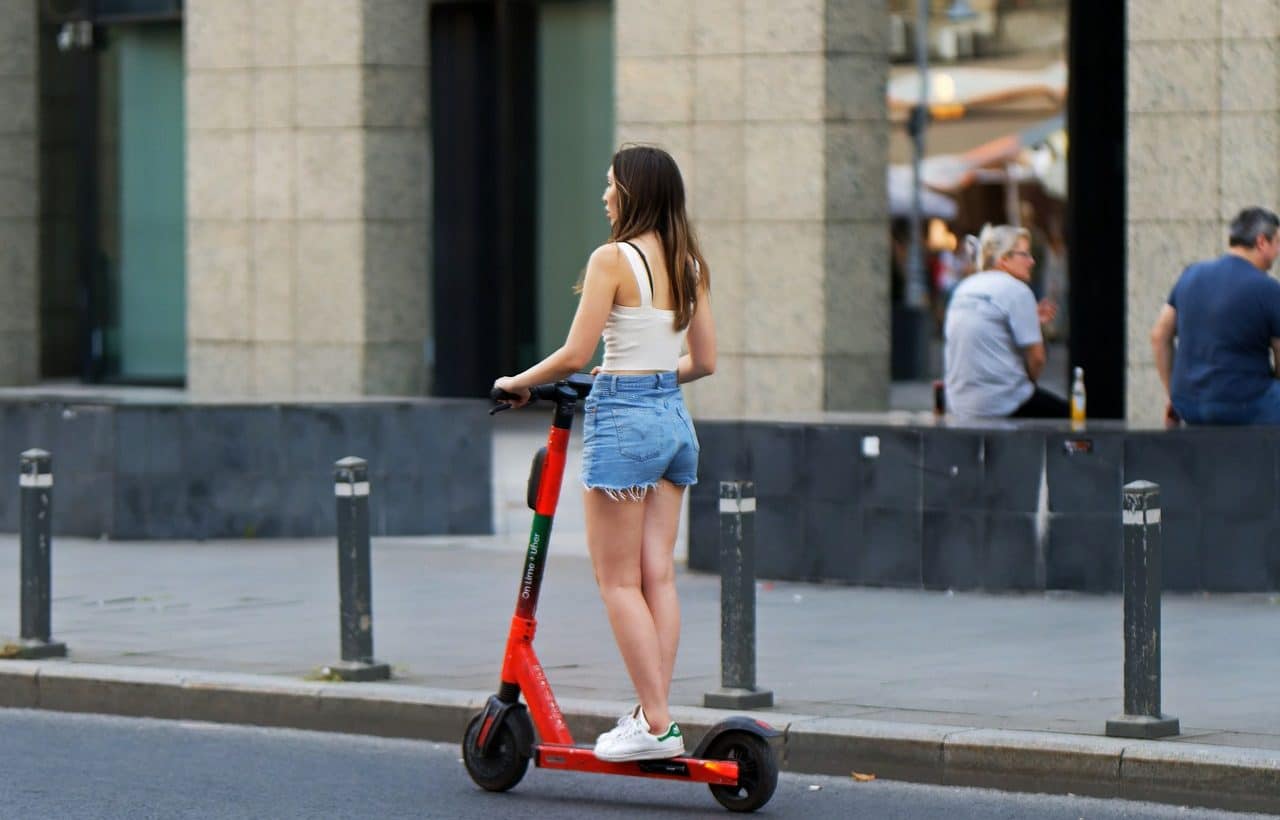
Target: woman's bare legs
{"type": "Point", "coordinates": [616, 532]}
{"type": "Point", "coordinates": [657, 570]}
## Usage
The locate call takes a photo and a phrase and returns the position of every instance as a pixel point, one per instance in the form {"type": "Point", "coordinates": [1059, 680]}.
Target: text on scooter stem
{"type": "Point", "coordinates": [531, 567]}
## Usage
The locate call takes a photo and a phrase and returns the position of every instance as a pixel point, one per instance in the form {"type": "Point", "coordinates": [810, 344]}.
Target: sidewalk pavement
{"type": "Point", "coordinates": [1010, 691]}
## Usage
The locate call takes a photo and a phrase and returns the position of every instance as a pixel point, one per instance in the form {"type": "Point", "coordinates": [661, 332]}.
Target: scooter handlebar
{"type": "Point", "coordinates": [576, 386]}
{"type": "Point", "coordinates": [542, 391]}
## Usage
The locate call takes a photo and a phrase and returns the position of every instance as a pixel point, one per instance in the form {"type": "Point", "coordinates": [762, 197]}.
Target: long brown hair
{"type": "Point", "coordinates": [651, 198]}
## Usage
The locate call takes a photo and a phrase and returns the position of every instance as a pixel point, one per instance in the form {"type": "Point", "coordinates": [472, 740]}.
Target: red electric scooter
{"type": "Point", "coordinates": [734, 758]}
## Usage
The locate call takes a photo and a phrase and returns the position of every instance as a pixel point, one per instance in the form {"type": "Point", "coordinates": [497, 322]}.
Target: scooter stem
{"type": "Point", "coordinates": [552, 475]}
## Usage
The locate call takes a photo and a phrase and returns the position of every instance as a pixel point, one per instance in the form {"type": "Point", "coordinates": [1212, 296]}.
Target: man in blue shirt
{"type": "Point", "coordinates": [1225, 315]}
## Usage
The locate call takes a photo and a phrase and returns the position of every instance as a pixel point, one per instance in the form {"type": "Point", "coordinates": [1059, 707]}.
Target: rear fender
{"type": "Point", "coordinates": [737, 723]}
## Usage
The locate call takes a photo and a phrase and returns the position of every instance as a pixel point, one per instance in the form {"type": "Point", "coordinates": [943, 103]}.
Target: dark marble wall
{"type": "Point", "coordinates": [1013, 508]}
{"type": "Point", "coordinates": [264, 470]}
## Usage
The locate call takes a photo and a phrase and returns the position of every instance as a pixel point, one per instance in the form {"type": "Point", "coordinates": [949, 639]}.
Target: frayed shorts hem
{"type": "Point", "coordinates": [635, 492]}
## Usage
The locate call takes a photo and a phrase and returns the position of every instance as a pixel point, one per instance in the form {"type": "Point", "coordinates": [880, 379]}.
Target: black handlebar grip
{"type": "Point", "coordinates": [498, 394]}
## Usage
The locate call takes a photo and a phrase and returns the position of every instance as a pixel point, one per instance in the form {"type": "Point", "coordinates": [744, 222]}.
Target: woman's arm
{"type": "Point", "coordinates": [599, 287]}
{"type": "Point", "coordinates": [701, 359]}
{"type": "Point", "coordinates": [1024, 326]}
{"type": "Point", "coordinates": [1033, 358]}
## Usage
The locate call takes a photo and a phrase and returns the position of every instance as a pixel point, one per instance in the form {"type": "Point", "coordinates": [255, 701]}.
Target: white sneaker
{"type": "Point", "coordinates": [622, 721]}
{"type": "Point", "coordinates": [631, 740]}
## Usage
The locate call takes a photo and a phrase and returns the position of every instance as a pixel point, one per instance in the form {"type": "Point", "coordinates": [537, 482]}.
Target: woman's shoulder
{"type": "Point", "coordinates": [607, 261]}
{"type": "Point", "coordinates": [975, 282]}
{"type": "Point", "coordinates": [996, 281]}
{"type": "Point", "coordinates": [610, 253]}
{"type": "Point", "coordinates": [985, 277]}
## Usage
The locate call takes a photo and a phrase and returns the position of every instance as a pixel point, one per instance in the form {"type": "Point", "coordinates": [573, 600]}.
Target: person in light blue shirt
{"type": "Point", "coordinates": [1225, 316]}
{"type": "Point", "coordinates": [994, 351]}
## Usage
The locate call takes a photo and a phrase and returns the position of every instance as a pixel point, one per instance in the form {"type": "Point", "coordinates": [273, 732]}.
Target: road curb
{"type": "Point", "coordinates": [1241, 779]}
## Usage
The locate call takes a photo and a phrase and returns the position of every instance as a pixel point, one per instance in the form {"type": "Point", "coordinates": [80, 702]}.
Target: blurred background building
{"type": "Point", "coordinates": [306, 198]}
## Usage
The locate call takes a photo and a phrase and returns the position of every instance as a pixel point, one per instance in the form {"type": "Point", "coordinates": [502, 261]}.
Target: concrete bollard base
{"type": "Point", "coordinates": [33, 649]}
{"type": "Point", "coordinates": [728, 698]}
{"type": "Point", "coordinates": [357, 671]}
{"type": "Point", "coordinates": [1143, 727]}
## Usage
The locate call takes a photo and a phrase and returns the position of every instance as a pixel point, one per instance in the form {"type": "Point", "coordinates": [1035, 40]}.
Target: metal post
{"type": "Point", "coordinates": [1142, 584]}
{"type": "Point", "coordinates": [35, 482]}
{"type": "Point", "coordinates": [910, 318]}
{"type": "Point", "coordinates": [351, 488]}
{"type": "Point", "coordinates": [737, 601]}
{"type": "Point", "coordinates": [916, 292]}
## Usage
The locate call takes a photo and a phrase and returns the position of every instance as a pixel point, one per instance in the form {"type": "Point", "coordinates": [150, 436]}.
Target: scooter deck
{"type": "Point", "coordinates": [688, 769]}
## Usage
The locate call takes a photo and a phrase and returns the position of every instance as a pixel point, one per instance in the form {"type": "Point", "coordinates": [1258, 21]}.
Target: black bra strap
{"type": "Point", "coordinates": [646, 265]}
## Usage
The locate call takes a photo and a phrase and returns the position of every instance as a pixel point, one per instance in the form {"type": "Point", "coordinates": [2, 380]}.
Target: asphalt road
{"type": "Point", "coordinates": [88, 766]}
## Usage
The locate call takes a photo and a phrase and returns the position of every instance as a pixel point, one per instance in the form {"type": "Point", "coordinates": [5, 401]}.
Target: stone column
{"type": "Point", "coordinates": [775, 111]}
{"type": "Point", "coordinates": [397, 191]}
{"type": "Point", "coordinates": [307, 189]}
{"type": "Point", "coordinates": [1203, 137]}
{"type": "Point", "coordinates": [19, 196]}
{"type": "Point", "coordinates": [856, 288]}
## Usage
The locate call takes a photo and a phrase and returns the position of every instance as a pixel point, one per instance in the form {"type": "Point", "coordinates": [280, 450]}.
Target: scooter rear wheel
{"type": "Point", "coordinates": [757, 771]}
{"type": "Point", "coordinates": [505, 764]}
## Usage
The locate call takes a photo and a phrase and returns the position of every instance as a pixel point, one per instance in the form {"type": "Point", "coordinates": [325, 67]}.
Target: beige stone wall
{"type": "Point", "coordinates": [306, 197]}
{"type": "Point", "coordinates": [856, 278]}
{"type": "Point", "coordinates": [19, 195]}
{"type": "Point", "coordinates": [1203, 142]}
{"type": "Point", "coordinates": [775, 111]}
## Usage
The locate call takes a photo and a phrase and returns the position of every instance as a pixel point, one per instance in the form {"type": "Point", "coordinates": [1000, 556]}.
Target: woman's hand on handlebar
{"type": "Point", "coordinates": [507, 385]}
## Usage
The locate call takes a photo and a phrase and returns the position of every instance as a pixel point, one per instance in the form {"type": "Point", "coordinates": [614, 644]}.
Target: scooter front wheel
{"type": "Point", "coordinates": [505, 764]}
{"type": "Point", "coordinates": [757, 770]}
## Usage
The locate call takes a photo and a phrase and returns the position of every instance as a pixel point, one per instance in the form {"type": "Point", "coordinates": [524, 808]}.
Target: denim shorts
{"type": "Point", "coordinates": [636, 432]}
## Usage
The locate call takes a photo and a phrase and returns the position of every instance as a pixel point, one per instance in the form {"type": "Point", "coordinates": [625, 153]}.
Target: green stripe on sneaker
{"type": "Point", "coordinates": [672, 731]}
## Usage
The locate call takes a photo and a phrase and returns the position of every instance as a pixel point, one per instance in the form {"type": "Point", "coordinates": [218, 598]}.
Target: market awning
{"type": "Point", "coordinates": [933, 204]}
{"type": "Point", "coordinates": [954, 91]}
{"type": "Point", "coordinates": [1035, 152]}
{"type": "Point", "coordinates": [973, 105]}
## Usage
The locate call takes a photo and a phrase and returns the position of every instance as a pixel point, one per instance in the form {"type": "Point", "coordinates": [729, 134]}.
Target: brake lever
{"type": "Point", "coordinates": [498, 408]}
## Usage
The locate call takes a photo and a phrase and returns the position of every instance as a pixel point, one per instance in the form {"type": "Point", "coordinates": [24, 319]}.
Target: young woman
{"type": "Point", "coordinates": [646, 292]}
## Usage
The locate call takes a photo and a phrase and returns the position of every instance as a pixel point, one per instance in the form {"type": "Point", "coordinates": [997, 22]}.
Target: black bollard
{"type": "Point", "coordinates": [1142, 585]}
{"type": "Point", "coordinates": [351, 488]}
{"type": "Point", "coordinates": [737, 601]}
{"type": "Point", "coordinates": [35, 483]}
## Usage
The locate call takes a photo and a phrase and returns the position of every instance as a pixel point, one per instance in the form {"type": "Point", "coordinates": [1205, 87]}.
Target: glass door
{"type": "Point", "coordinates": [575, 143]}
{"type": "Point", "coordinates": [113, 212]}
{"type": "Point", "coordinates": [148, 331]}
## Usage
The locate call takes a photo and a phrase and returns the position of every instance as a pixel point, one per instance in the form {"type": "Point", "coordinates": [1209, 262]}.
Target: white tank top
{"type": "Point", "coordinates": [644, 337]}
